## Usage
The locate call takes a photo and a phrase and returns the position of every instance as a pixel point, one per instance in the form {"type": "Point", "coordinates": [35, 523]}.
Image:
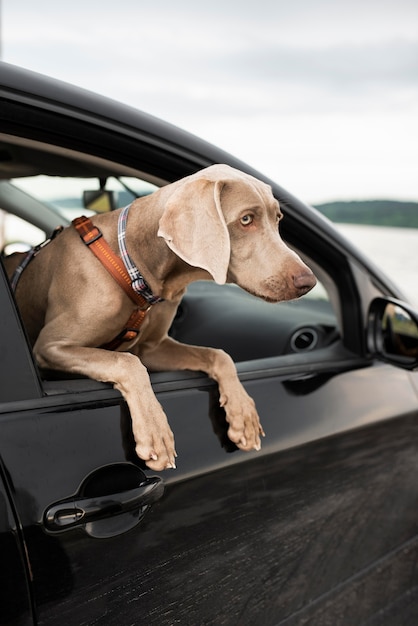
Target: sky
{"type": "Point", "coordinates": [319, 95]}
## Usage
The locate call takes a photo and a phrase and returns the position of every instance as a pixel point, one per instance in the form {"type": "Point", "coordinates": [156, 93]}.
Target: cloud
{"type": "Point", "coordinates": [324, 56]}
{"type": "Point", "coordinates": [290, 87]}
{"type": "Point", "coordinates": [392, 61]}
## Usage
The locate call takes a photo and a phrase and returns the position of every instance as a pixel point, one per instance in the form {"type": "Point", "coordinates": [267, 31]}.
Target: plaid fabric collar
{"type": "Point", "coordinates": [138, 282]}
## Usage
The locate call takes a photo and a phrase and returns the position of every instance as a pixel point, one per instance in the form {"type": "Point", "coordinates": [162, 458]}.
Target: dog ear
{"type": "Point", "coordinates": [194, 227]}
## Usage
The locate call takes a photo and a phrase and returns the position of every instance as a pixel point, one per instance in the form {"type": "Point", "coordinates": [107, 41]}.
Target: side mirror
{"type": "Point", "coordinates": [392, 332]}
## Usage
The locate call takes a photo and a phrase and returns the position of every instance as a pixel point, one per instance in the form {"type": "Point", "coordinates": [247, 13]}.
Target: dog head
{"type": "Point", "coordinates": [226, 222]}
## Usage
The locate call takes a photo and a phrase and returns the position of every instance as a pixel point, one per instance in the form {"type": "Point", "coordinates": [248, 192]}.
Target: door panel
{"type": "Point", "coordinates": [236, 538]}
{"type": "Point", "coordinates": [325, 533]}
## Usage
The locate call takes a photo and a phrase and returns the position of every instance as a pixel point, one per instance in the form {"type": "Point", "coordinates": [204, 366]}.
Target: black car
{"type": "Point", "coordinates": [319, 527]}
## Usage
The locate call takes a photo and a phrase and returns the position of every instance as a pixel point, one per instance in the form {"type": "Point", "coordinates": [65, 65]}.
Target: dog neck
{"type": "Point", "coordinates": [139, 284]}
{"type": "Point", "coordinates": [165, 274]}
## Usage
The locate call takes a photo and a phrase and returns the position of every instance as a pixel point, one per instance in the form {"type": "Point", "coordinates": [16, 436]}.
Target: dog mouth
{"type": "Point", "coordinates": [274, 293]}
{"type": "Point", "coordinates": [268, 298]}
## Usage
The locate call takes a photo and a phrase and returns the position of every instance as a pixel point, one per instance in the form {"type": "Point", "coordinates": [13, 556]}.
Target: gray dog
{"type": "Point", "coordinates": [218, 224]}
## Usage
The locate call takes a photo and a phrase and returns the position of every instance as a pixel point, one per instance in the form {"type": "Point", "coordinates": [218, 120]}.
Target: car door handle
{"type": "Point", "coordinates": [78, 511]}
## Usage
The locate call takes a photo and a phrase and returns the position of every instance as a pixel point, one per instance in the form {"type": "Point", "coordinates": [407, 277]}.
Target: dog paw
{"type": "Point", "coordinates": [157, 461]}
{"type": "Point", "coordinates": [244, 429]}
{"type": "Point", "coordinates": [155, 442]}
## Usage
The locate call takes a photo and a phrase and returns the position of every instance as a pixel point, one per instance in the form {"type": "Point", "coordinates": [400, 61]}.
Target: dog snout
{"type": "Point", "coordinates": [304, 281]}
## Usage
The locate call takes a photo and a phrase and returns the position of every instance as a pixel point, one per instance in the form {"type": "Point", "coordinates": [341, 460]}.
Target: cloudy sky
{"type": "Point", "coordinates": [320, 95]}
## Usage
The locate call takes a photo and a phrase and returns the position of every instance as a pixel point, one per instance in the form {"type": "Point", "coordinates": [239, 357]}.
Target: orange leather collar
{"type": "Point", "coordinates": [92, 237]}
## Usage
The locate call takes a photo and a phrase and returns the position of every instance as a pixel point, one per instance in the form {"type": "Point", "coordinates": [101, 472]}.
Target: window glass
{"type": "Point", "coordinates": [17, 235]}
{"type": "Point", "coordinates": [66, 195]}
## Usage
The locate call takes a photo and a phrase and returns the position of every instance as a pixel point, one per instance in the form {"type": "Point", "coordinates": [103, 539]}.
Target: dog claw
{"type": "Point", "coordinates": [170, 466]}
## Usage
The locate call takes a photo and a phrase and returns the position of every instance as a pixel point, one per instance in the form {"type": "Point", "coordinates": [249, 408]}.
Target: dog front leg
{"type": "Point", "coordinates": [240, 410]}
{"type": "Point", "coordinates": [153, 436]}
{"type": "Point", "coordinates": [241, 414]}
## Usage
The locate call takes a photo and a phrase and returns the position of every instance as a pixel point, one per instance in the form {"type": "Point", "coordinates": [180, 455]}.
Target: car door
{"type": "Point", "coordinates": [322, 515]}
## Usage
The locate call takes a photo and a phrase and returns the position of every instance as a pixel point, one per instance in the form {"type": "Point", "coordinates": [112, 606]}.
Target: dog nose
{"type": "Point", "coordinates": [304, 281]}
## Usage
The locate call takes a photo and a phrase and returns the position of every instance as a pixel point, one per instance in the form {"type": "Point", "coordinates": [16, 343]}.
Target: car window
{"type": "Point", "coordinates": [17, 234]}
{"type": "Point", "coordinates": [226, 317]}
{"type": "Point", "coordinates": [219, 316]}
{"type": "Point", "coordinates": [68, 197]}
{"type": "Point", "coordinates": [67, 194]}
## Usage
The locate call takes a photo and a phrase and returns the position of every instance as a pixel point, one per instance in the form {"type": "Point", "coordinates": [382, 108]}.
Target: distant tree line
{"type": "Point", "coordinates": [375, 212]}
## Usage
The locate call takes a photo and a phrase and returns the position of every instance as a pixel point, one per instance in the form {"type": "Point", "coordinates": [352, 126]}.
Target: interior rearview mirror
{"type": "Point", "coordinates": [99, 200]}
{"type": "Point", "coordinates": [392, 332]}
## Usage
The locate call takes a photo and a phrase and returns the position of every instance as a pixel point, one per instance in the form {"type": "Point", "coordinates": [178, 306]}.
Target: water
{"type": "Point", "coordinates": [394, 250]}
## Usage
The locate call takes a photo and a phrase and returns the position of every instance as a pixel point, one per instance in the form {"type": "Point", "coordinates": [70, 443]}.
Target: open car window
{"type": "Point", "coordinates": [70, 196]}
{"type": "Point", "coordinates": [67, 198]}
{"type": "Point", "coordinates": [211, 315]}
{"type": "Point", "coordinates": [227, 317]}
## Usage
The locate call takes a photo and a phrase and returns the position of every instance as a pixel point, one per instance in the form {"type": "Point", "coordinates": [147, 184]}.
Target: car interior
{"type": "Point", "coordinates": [43, 186]}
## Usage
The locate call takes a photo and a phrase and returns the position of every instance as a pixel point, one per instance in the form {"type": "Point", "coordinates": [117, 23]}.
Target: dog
{"type": "Point", "coordinates": [217, 224]}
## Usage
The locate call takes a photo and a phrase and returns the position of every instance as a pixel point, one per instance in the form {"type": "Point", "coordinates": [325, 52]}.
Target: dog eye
{"type": "Point", "coordinates": [246, 220]}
